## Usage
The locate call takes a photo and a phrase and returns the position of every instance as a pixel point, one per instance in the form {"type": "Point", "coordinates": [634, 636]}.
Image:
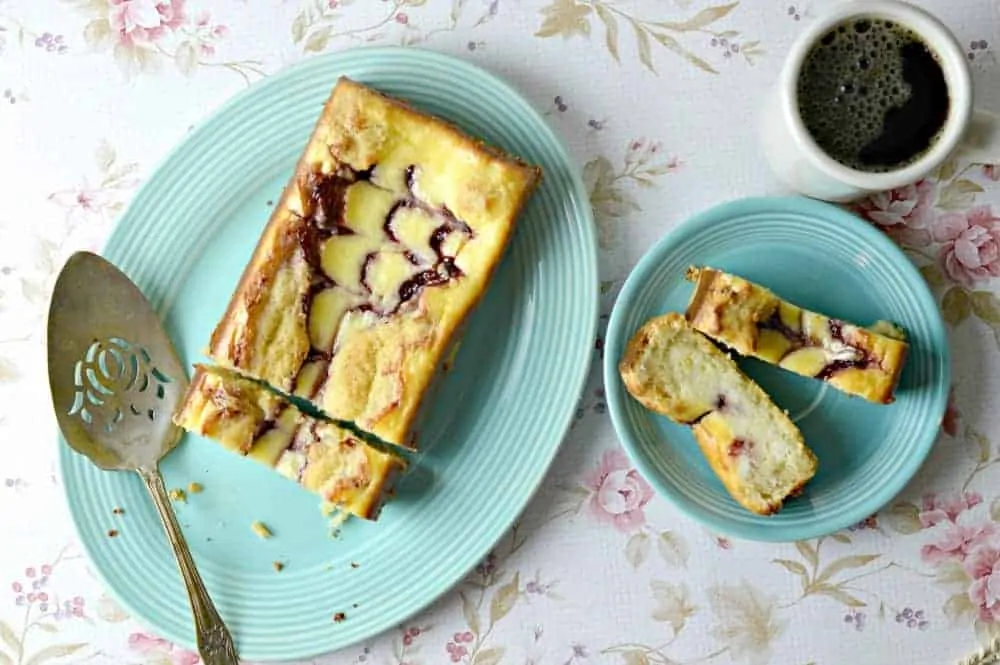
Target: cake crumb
{"type": "Point", "coordinates": [112, 533]}
{"type": "Point", "coordinates": [278, 566]}
{"type": "Point", "coordinates": [261, 529]}
{"type": "Point", "coordinates": [195, 488]}
{"type": "Point", "coordinates": [177, 494]}
{"type": "Point", "coordinates": [354, 564]}
{"type": "Point", "coordinates": [118, 511]}
{"type": "Point", "coordinates": [339, 616]}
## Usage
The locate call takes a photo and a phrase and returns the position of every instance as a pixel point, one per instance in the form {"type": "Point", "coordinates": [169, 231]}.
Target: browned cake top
{"type": "Point", "coordinates": [384, 240]}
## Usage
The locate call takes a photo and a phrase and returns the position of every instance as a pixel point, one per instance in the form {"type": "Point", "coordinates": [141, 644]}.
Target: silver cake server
{"type": "Point", "coordinates": [116, 380]}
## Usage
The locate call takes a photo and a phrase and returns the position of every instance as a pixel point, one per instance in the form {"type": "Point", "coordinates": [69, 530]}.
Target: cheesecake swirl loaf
{"type": "Point", "coordinates": [383, 241]}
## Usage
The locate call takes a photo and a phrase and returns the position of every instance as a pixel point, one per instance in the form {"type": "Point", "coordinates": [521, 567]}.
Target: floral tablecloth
{"type": "Point", "coordinates": [656, 99]}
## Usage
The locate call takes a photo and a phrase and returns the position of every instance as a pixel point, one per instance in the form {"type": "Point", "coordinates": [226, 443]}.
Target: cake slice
{"type": "Point", "coordinates": [755, 322]}
{"type": "Point", "coordinates": [751, 444]}
{"type": "Point", "coordinates": [382, 243]}
{"type": "Point", "coordinates": [255, 422]}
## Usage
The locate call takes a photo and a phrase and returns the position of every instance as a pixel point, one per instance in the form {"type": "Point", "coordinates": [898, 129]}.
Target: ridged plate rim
{"type": "Point", "coordinates": [576, 252]}
{"type": "Point", "coordinates": [641, 289]}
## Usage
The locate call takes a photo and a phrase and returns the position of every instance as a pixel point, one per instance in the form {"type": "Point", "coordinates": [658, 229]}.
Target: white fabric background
{"type": "Point", "coordinates": [598, 570]}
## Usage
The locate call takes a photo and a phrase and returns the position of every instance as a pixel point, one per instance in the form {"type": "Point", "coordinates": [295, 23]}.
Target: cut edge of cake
{"type": "Point", "coordinates": [255, 422]}
{"type": "Point", "coordinates": [754, 321]}
{"type": "Point", "coordinates": [753, 447]}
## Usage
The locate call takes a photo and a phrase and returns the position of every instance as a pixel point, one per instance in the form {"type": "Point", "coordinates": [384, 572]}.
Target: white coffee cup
{"type": "Point", "coordinates": [971, 135]}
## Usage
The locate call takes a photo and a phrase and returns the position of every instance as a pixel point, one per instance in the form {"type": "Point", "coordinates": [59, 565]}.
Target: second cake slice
{"type": "Point", "coordinates": [750, 443]}
{"type": "Point", "coordinates": [753, 321]}
{"type": "Point", "coordinates": [252, 421]}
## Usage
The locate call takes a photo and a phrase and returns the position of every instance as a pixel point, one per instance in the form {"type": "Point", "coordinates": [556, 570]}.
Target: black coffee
{"type": "Point", "coordinates": [873, 95]}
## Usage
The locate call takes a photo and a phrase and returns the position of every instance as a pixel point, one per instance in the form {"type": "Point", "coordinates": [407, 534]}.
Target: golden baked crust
{"type": "Point", "coordinates": [751, 444]}
{"type": "Point", "coordinates": [253, 421]}
{"type": "Point", "coordinates": [753, 321]}
{"type": "Point", "coordinates": [383, 241]}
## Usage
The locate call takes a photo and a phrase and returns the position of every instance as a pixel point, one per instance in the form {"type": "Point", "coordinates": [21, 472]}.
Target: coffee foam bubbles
{"type": "Point", "coordinates": [849, 81]}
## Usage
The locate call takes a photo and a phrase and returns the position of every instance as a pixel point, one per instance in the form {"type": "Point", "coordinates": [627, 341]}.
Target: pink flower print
{"type": "Point", "coordinates": [952, 415]}
{"type": "Point", "coordinates": [981, 215]}
{"type": "Point", "coordinates": [410, 634]}
{"type": "Point", "coordinates": [144, 20]}
{"type": "Point", "coordinates": [619, 492]}
{"type": "Point", "coordinates": [936, 509]}
{"type": "Point", "coordinates": [971, 244]}
{"type": "Point", "coordinates": [86, 201]}
{"type": "Point", "coordinates": [205, 34]}
{"type": "Point", "coordinates": [186, 658]}
{"type": "Point", "coordinates": [148, 644]}
{"type": "Point", "coordinates": [643, 151]}
{"type": "Point", "coordinates": [127, 15]}
{"type": "Point", "coordinates": [171, 13]}
{"type": "Point", "coordinates": [983, 566]}
{"type": "Point", "coordinates": [31, 590]}
{"type": "Point", "coordinates": [456, 650]}
{"type": "Point", "coordinates": [70, 609]}
{"type": "Point", "coordinates": [956, 542]}
{"type": "Point", "coordinates": [903, 213]}
{"type": "Point", "coordinates": [144, 643]}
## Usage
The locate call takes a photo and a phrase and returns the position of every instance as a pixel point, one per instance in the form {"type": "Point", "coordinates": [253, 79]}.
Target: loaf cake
{"type": "Point", "coordinates": [753, 321]}
{"type": "Point", "coordinates": [382, 243]}
{"type": "Point", "coordinates": [250, 420]}
{"type": "Point", "coordinates": [750, 443]}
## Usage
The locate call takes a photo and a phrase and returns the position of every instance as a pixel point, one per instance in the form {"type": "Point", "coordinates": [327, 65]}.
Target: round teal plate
{"type": "Point", "coordinates": [829, 261]}
{"type": "Point", "coordinates": [496, 422]}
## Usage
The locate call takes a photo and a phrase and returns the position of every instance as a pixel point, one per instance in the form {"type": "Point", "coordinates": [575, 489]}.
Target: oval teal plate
{"type": "Point", "coordinates": [825, 259]}
{"type": "Point", "coordinates": [491, 434]}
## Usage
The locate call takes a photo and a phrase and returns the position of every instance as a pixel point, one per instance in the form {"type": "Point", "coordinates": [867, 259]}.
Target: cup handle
{"type": "Point", "coordinates": [981, 143]}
